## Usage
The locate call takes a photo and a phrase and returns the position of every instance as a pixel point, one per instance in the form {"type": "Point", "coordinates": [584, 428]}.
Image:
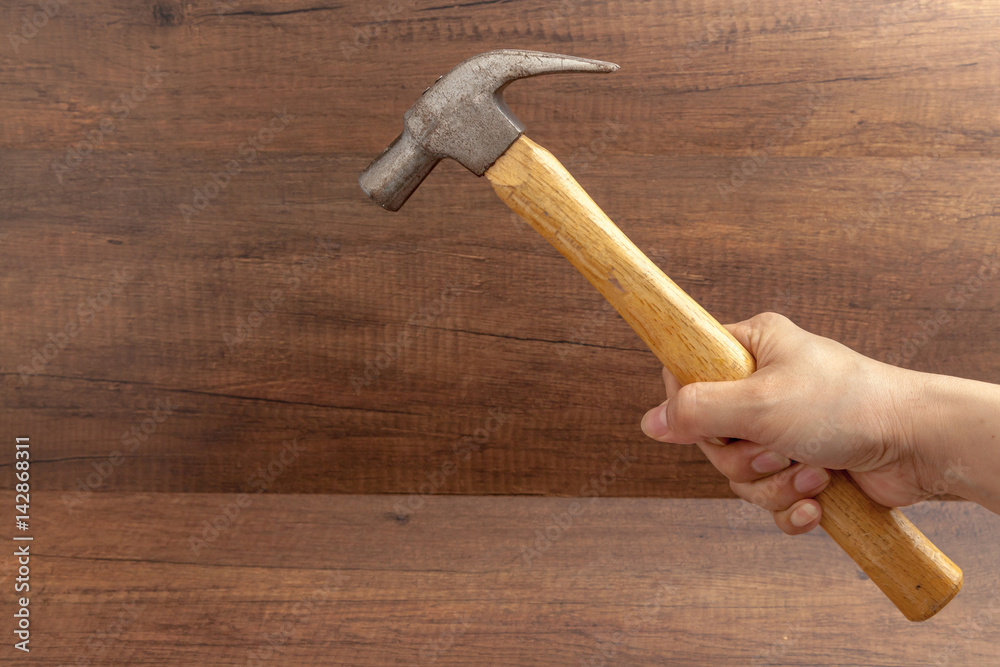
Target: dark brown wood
{"type": "Point", "coordinates": [843, 223]}
{"type": "Point", "coordinates": [355, 580]}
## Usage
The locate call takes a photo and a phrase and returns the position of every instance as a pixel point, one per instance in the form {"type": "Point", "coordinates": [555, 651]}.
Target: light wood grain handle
{"type": "Point", "coordinates": [909, 569]}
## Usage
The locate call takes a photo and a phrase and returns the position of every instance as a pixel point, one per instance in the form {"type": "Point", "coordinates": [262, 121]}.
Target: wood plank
{"type": "Point", "coordinates": [490, 347]}
{"type": "Point", "coordinates": [842, 223]}
{"type": "Point", "coordinates": [313, 580]}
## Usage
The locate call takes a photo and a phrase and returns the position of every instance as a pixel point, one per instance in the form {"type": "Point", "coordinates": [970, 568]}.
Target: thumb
{"type": "Point", "coordinates": [704, 410]}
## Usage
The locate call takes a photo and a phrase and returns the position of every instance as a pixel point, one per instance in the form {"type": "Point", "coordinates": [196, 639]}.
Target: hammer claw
{"type": "Point", "coordinates": [462, 116]}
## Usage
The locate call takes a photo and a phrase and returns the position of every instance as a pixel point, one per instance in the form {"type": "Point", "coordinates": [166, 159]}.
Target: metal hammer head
{"type": "Point", "coordinates": [462, 116]}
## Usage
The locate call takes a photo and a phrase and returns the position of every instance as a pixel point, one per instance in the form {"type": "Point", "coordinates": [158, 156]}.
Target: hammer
{"type": "Point", "coordinates": [463, 116]}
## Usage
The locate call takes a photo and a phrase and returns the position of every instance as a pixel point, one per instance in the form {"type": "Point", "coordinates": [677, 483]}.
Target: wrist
{"type": "Point", "coordinates": [954, 437]}
{"type": "Point", "coordinates": [942, 466]}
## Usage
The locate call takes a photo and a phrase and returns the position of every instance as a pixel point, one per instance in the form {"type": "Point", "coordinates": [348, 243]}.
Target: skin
{"type": "Point", "coordinates": [814, 404]}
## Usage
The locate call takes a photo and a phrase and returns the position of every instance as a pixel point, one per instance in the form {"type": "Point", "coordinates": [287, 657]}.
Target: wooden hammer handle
{"type": "Point", "coordinates": [909, 569]}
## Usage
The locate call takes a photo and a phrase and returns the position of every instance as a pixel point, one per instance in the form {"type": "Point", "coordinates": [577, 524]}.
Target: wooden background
{"type": "Point", "coordinates": [339, 580]}
{"type": "Point", "coordinates": [835, 162]}
{"type": "Point", "coordinates": [165, 331]}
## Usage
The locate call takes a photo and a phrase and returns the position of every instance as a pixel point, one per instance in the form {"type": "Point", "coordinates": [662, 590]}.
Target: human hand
{"type": "Point", "coordinates": [813, 404]}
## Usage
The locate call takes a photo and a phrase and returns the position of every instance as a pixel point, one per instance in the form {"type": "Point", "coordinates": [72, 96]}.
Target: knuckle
{"type": "Point", "coordinates": [770, 320]}
{"type": "Point", "coordinates": [685, 417]}
{"type": "Point", "coordinates": [764, 497]}
{"type": "Point", "coordinates": [750, 492]}
{"type": "Point", "coordinates": [768, 493]}
{"type": "Point", "coordinates": [763, 394]}
{"type": "Point", "coordinates": [783, 479]}
{"type": "Point", "coordinates": [760, 390]}
{"type": "Point", "coordinates": [734, 462]}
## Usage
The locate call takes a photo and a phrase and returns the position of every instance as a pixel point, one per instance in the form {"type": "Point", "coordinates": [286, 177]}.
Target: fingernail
{"type": "Point", "coordinates": [766, 462]}
{"type": "Point", "coordinates": [809, 479]}
{"type": "Point", "coordinates": [803, 515]}
{"type": "Point", "coordinates": [654, 422]}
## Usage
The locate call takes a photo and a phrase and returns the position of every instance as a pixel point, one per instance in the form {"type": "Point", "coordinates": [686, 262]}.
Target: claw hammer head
{"type": "Point", "coordinates": [462, 116]}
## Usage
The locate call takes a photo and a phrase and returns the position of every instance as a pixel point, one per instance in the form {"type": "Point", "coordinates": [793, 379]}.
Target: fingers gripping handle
{"type": "Point", "coordinates": [909, 569]}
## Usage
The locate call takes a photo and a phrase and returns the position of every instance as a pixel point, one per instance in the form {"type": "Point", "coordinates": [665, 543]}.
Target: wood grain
{"type": "Point", "coordinates": [357, 580]}
{"type": "Point", "coordinates": [865, 133]}
{"type": "Point", "coordinates": [692, 344]}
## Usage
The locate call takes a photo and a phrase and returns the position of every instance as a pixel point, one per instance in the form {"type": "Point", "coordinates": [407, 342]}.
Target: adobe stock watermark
{"type": "Point", "coordinates": [433, 648]}
{"type": "Point", "coordinates": [86, 312]}
{"type": "Point", "coordinates": [462, 448]}
{"type": "Point", "coordinates": [35, 21]}
{"type": "Point", "coordinates": [958, 296]}
{"type": "Point", "coordinates": [897, 13]}
{"type": "Point", "coordinates": [954, 474]}
{"type": "Point", "coordinates": [558, 11]}
{"type": "Point", "coordinates": [292, 278]}
{"type": "Point", "coordinates": [222, 7]}
{"type": "Point", "coordinates": [749, 510]}
{"type": "Point", "coordinates": [969, 629]}
{"type": "Point", "coordinates": [608, 652]}
{"type": "Point", "coordinates": [584, 156]}
{"type": "Point", "coordinates": [380, 18]}
{"type": "Point", "coordinates": [774, 653]}
{"type": "Point", "coordinates": [390, 352]}
{"type": "Point", "coordinates": [275, 641]}
{"type": "Point", "coordinates": [99, 643]}
{"type": "Point", "coordinates": [246, 154]}
{"type": "Point", "coordinates": [714, 31]}
{"type": "Point", "coordinates": [781, 302]}
{"type": "Point", "coordinates": [121, 108]}
{"type": "Point", "coordinates": [561, 523]}
{"type": "Point", "coordinates": [587, 328]}
{"type": "Point", "coordinates": [230, 513]}
{"type": "Point", "coordinates": [136, 435]}
{"type": "Point", "coordinates": [750, 166]}
{"type": "Point", "coordinates": [913, 170]}
{"type": "Point", "coordinates": [961, 293]}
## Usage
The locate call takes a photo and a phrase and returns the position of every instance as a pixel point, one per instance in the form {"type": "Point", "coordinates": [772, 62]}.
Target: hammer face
{"type": "Point", "coordinates": [462, 116]}
{"type": "Point", "coordinates": [393, 176]}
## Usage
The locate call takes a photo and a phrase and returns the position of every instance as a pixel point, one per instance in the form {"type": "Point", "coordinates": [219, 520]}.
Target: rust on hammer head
{"type": "Point", "coordinates": [462, 116]}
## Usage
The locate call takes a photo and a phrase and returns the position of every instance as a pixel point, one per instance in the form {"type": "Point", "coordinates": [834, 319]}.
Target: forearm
{"type": "Point", "coordinates": [956, 425]}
